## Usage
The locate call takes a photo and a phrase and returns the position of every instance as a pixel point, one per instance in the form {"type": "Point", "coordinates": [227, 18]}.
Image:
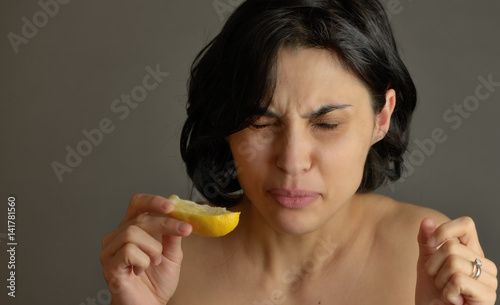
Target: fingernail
{"type": "Point", "coordinates": [183, 227]}
{"type": "Point", "coordinates": [157, 261]}
{"type": "Point", "coordinates": [432, 241]}
{"type": "Point", "coordinates": [167, 206]}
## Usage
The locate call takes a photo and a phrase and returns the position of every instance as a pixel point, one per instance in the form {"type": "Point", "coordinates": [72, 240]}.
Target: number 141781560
{"type": "Point", "coordinates": [11, 219]}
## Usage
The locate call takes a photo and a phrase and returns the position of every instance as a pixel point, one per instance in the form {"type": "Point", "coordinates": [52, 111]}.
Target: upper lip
{"type": "Point", "coordinates": [292, 192]}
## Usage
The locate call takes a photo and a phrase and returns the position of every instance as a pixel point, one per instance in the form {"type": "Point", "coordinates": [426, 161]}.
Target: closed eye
{"type": "Point", "coordinates": [325, 126]}
{"type": "Point", "coordinates": [316, 125]}
{"type": "Point", "coordinates": [260, 126]}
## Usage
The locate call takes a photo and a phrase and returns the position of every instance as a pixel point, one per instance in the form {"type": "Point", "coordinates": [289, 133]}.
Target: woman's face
{"type": "Point", "coordinates": [303, 160]}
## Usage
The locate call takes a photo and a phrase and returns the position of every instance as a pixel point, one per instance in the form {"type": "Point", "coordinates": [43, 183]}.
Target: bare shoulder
{"type": "Point", "coordinates": [395, 227]}
{"type": "Point", "coordinates": [396, 224]}
{"type": "Point", "coordinates": [401, 220]}
{"type": "Point", "coordinates": [406, 214]}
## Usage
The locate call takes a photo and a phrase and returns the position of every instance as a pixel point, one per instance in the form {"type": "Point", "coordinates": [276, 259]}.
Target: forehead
{"type": "Point", "coordinates": [307, 78]}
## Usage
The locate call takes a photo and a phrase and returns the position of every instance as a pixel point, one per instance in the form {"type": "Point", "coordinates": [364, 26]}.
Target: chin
{"type": "Point", "coordinates": [295, 222]}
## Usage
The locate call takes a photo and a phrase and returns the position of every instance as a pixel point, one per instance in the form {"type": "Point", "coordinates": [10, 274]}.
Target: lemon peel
{"type": "Point", "coordinates": [206, 220]}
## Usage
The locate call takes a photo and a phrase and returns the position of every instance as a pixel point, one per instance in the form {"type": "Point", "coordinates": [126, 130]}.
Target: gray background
{"type": "Point", "coordinates": [67, 76]}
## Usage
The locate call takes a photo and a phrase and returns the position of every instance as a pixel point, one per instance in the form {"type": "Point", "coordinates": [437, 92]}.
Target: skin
{"type": "Point", "coordinates": [342, 248]}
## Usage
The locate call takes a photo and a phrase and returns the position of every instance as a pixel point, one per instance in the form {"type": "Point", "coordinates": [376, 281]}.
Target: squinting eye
{"type": "Point", "coordinates": [326, 126]}
{"type": "Point", "coordinates": [265, 124]}
{"type": "Point", "coordinates": [260, 126]}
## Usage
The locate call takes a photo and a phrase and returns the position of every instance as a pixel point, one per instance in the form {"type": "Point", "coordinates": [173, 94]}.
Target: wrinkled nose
{"type": "Point", "coordinates": [294, 149]}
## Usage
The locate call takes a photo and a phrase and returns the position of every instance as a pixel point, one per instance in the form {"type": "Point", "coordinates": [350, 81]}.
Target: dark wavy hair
{"type": "Point", "coordinates": [234, 76]}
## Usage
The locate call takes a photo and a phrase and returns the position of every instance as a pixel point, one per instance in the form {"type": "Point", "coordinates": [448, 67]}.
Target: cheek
{"type": "Point", "coordinates": [251, 154]}
{"type": "Point", "coordinates": [250, 148]}
{"type": "Point", "coordinates": [343, 157]}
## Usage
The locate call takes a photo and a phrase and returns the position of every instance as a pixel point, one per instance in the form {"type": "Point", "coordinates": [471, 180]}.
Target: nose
{"type": "Point", "coordinates": [293, 155]}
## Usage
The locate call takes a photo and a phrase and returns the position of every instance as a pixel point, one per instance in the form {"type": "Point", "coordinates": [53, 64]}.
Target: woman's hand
{"type": "Point", "coordinates": [142, 258]}
{"type": "Point", "coordinates": [445, 265]}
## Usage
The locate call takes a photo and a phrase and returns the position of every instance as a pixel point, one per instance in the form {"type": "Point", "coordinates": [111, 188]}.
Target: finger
{"type": "Point", "coordinates": [141, 204]}
{"type": "Point", "coordinates": [137, 236]}
{"type": "Point", "coordinates": [145, 203]}
{"type": "Point", "coordinates": [464, 289]}
{"type": "Point", "coordinates": [462, 228]}
{"type": "Point", "coordinates": [161, 225]}
{"type": "Point", "coordinates": [427, 228]}
{"type": "Point", "coordinates": [107, 239]}
{"type": "Point", "coordinates": [172, 250]}
{"type": "Point", "coordinates": [128, 258]}
{"type": "Point", "coordinates": [457, 264]}
{"type": "Point", "coordinates": [453, 248]}
{"type": "Point", "coordinates": [153, 223]}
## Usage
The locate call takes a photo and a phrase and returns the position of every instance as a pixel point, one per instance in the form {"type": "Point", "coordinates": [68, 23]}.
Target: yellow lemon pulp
{"type": "Point", "coordinates": [206, 220]}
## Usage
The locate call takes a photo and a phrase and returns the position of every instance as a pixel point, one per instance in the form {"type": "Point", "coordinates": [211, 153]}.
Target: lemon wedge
{"type": "Point", "coordinates": [206, 220]}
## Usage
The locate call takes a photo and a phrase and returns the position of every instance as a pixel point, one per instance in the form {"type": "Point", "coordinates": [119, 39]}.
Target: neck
{"type": "Point", "coordinates": [280, 254]}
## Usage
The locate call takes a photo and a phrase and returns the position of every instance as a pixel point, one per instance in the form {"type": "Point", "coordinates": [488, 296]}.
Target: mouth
{"type": "Point", "coordinates": [293, 198]}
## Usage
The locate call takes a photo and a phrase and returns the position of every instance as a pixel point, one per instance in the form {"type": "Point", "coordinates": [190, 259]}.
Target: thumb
{"type": "Point", "coordinates": [172, 248]}
{"type": "Point", "coordinates": [427, 228]}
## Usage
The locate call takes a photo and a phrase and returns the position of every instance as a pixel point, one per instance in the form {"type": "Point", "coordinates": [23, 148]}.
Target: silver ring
{"type": "Point", "coordinates": [476, 269]}
{"type": "Point", "coordinates": [478, 272]}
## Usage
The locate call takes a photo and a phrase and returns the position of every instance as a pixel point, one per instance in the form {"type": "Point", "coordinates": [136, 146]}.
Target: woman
{"type": "Point", "coordinates": [297, 111]}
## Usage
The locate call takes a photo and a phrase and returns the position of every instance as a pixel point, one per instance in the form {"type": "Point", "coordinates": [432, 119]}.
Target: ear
{"type": "Point", "coordinates": [383, 119]}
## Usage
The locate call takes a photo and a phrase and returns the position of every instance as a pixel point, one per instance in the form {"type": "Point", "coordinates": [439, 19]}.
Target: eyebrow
{"type": "Point", "coordinates": [316, 113]}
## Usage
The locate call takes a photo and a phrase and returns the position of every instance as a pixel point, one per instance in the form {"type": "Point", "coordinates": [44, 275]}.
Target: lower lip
{"type": "Point", "coordinates": [294, 202]}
